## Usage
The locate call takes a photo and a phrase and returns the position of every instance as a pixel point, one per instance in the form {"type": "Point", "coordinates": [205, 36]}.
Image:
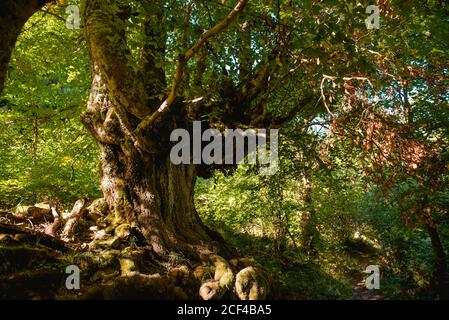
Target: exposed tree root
{"type": "Point", "coordinates": [116, 261]}
{"type": "Point", "coordinates": [221, 283]}
{"type": "Point", "coordinates": [252, 284]}
{"type": "Point", "coordinates": [73, 220]}
{"type": "Point", "coordinates": [56, 226]}
{"type": "Point", "coordinates": [31, 236]}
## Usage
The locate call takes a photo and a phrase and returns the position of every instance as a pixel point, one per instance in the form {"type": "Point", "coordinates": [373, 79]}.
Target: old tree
{"type": "Point", "coordinates": [160, 65]}
{"type": "Point", "coordinates": [138, 97]}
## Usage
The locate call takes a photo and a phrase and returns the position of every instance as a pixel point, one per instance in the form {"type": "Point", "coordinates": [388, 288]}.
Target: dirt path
{"type": "Point", "coordinates": [360, 292]}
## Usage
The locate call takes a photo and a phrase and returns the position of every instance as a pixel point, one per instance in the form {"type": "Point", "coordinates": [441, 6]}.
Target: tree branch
{"type": "Point", "coordinates": [182, 62]}
{"type": "Point", "coordinates": [106, 36]}
{"type": "Point", "coordinates": [153, 51]}
{"type": "Point", "coordinates": [53, 14]}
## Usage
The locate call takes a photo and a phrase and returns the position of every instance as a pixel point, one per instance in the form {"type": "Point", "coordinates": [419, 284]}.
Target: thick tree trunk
{"type": "Point", "coordinates": [146, 190]}
{"type": "Point", "coordinates": [150, 193]}
{"type": "Point", "coordinates": [132, 127]}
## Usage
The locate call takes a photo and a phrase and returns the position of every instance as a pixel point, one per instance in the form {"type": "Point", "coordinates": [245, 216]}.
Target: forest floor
{"type": "Point", "coordinates": [33, 266]}
{"type": "Point", "coordinates": [360, 292]}
{"type": "Point", "coordinates": [37, 261]}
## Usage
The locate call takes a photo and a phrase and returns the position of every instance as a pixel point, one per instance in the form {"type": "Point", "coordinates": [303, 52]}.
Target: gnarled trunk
{"type": "Point", "coordinates": [146, 190]}
{"type": "Point", "coordinates": [141, 186]}
{"type": "Point", "coordinates": [152, 194]}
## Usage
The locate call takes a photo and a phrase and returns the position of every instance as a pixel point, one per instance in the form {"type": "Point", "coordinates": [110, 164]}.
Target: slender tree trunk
{"type": "Point", "coordinates": [441, 270]}
{"type": "Point", "coordinates": [281, 222]}
{"type": "Point", "coordinates": [35, 134]}
{"type": "Point", "coordinates": [308, 219]}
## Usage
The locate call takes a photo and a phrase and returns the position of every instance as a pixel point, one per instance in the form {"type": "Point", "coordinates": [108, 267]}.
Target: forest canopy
{"type": "Point", "coordinates": [91, 92]}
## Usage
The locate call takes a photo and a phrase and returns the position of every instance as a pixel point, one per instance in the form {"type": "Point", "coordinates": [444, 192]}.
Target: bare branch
{"type": "Point", "coordinates": [53, 14]}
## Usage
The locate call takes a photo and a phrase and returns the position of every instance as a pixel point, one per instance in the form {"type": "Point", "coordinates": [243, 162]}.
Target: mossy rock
{"type": "Point", "coordinates": [222, 282]}
{"type": "Point", "coordinates": [211, 290]}
{"type": "Point", "coordinates": [242, 263]}
{"type": "Point", "coordinates": [44, 206]}
{"type": "Point", "coordinates": [252, 284]}
{"type": "Point", "coordinates": [108, 242]}
{"type": "Point", "coordinates": [105, 275]}
{"type": "Point", "coordinates": [223, 272]}
{"type": "Point", "coordinates": [123, 231]}
{"type": "Point", "coordinates": [98, 208]}
{"type": "Point", "coordinates": [39, 210]}
{"type": "Point", "coordinates": [127, 267]}
{"type": "Point", "coordinates": [110, 257]}
{"type": "Point", "coordinates": [202, 273]}
{"type": "Point", "coordinates": [22, 210]}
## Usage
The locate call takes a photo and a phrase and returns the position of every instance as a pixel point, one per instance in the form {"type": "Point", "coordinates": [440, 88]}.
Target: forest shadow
{"type": "Point", "coordinates": [295, 275]}
{"type": "Point", "coordinates": [33, 268]}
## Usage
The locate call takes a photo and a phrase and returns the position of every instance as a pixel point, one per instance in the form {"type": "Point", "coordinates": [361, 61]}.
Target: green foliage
{"type": "Point", "coordinates": [355, 226]}
{"type": "Point", "coordinates": [45, 153]}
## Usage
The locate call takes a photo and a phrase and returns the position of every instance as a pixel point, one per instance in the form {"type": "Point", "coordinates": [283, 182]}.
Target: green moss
{"type": "Point", "coordinates": [123, 231]}
{"type": "Point", "coordinates": [252, 284]}
{"type": "Point", "coordinates": [127, 267]}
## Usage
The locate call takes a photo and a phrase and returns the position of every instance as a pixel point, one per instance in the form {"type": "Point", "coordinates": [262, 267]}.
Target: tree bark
{"type": "Point", "coordinates": [144, 189]}
{"type": "Point", "coordinates": [156, 197]}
